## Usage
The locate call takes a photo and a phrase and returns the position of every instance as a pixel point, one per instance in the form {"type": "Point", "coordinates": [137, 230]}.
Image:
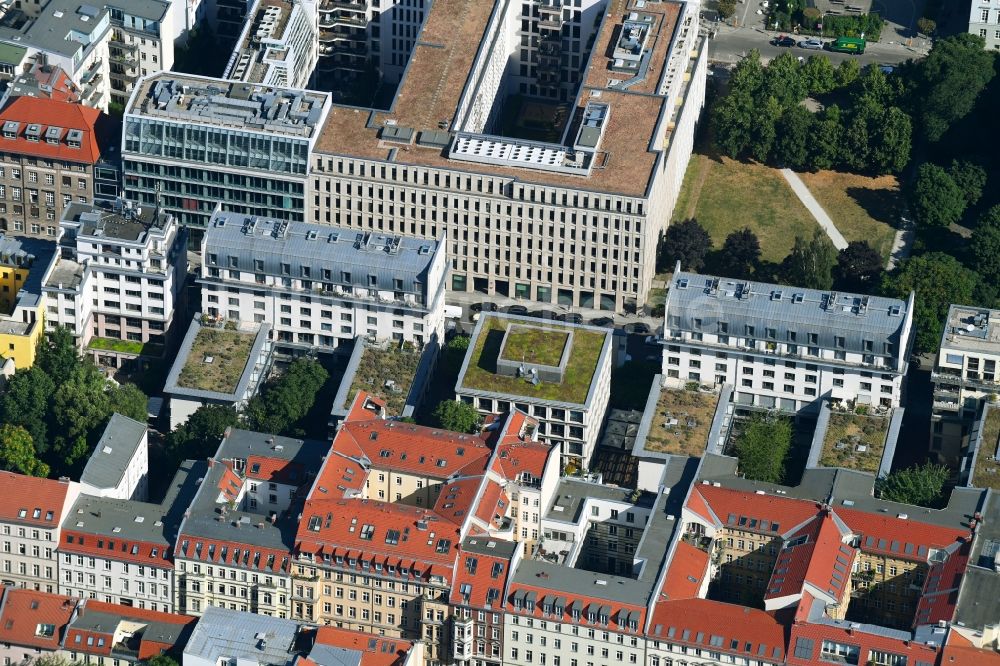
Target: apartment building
{"type": "Point", "coordinates": [532, 471]}
{"type": "Point", "coordinates": [984, 20]}
{"type": "Point", "coordinates": [32, 624]}
{"type": "Point", "coordinates": [142, 41]}
{"type": "Point", "coordinates": [278, 45]}
{"type": "Point", "coordinates": [235, 543]}
{"type": "Point", "coordinates": [117, 281]}
{"type": "Point", "coordinates": [481, 579]}
{"type": "Point", "coordinates": [40, 79]}
{"type": "Point", "coordinates": [69, 35]}
{"type": "Point", "coordinates": [23, 263]}
{"type": "Point", "coordinates": [30, 527]}
{"type": "Point", "coordinates": [559, 374]}
{"type": "Point", "coordinates": [52, 153]}
{"type": "Point", "coordinates": [319, 287]}
{"type": "Point", "coordinates": [118, 468]}
{"type": "Point", "coordinates": [105, 634]}
{"type": "Point", "coordinates": [965, 376]}
{"type": "Point", "coordinates": [785, 347]}
{"type": "Point", "coordinates": [570, 215]}
{"type": "Point", "coordinates": [182, 148]}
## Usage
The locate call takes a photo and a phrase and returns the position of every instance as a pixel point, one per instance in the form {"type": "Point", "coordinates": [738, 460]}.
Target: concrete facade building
{"type": "Point", "coordinates": [142, 41]}
{"type": "Point", "coordinates": [117, 281]}
{"type": "Point", "coordinates": [119, 466]}
{"type": "Point", "coordinates": [23, 264]}
{"type": "Point", "coordinates": [785, 347]}
{"type": "Point", "coordinates": [320, 287]}
{"type": "Point", "coordinates": [984, 20]}
{"type": "Point", "coordinates": [191, 142]}
{"type": "Point", "coordinates": [278, 45]}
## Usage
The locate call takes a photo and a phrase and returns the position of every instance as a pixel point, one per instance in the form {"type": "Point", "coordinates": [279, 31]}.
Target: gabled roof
{"type": "Point", "coordinates": [814, 554]}
{"type": "Point", "coordinates": [685, 573]}
{"type": "Point", "coordinates": [960, 651]}
{"type": "Point", "coordinates": [31, 500]}
{"type": "Point", "coordinates": [941, 586]}
{"type": "Point", "coordinates": [765, 514]}
{"type": "Point", "coordinates": [481, 573]}
{"type": "Point", "coordinates": [899, 537]}
{"type": "Point", "coordinates": [110, 460]}
{"type": "Point", "coordinates": [48, 113]}
{"type": "Point", "coordinates": [34, 619]}
{"type": "Point", "coordinates": [95, 627]}
{"type": "Point", "coordinates": [375, 650]}
{"type": "Point", "coordinates": [523, 457]}
{"type": "Point", "coordinates": [718, 626]}
{"type": "Point", "coordinates": [339, 476]}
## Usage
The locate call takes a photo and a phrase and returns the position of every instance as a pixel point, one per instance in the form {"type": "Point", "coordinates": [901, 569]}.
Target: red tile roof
{"type": "Point", "coordinates": [534, 599]}
{"type": "Point", "coordinates": [959, 651]}
{"type": "Point", "coordinates": [148, 647]}
{"type": "Point", "coordinates": [22, 612]}
{"type": "Point", "coordinates": [845, 633]}
{"type": "Point", "coordinates": [246, 555]}
{"type": "Point", "coordinates": [715, 625]}
{"type": "Point", "coordinates": [517, 458]}
{"type": "Point", "coordinates": [123, 550]}
{"type": "Point", "coordinates": [337, 476]}
{"type": "Point", "coordinates": [899, 537]}
{"type": "Point", "coordinates": [767, 514]}
{"type": "Point", "coordinates": [375, 650]}
{"type": "Point", "coordinates": [31, 500]}
{"type": "Point", "coordinates": [52, 113]}
{"type": "Point", "coordinates": [275, 470]}
{"type": "Point", "coordinates": [686, 571]}
{"type": "Point", "coordinates": [940, 594]}
{"type": "Point", "coordinates": [821, 560]}
{"type": "Point", "coordinates": [480, 580]}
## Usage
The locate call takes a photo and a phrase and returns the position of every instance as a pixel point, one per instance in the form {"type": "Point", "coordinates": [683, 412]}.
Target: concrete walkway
{"type": "Point", "coordinates": [809, 201]}
{"type": "Point", "coordinates": [902, 243]}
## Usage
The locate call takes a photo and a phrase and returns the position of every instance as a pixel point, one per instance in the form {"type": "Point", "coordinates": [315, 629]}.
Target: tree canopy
{"type": "Point", "coordinates": [938, 201]}
{"type": "Point", "coordinates": [762, 447]}
{"type": "Point", "coordinates": [17, 452]}
{"type": "Point", "coordinates": [281, 405]}
{"type": "Point", "coordinates": [740, 253]}
{"type": "Point", "coordinates": [198, 437]}
{"type": "Point", "coordinates": [457, 416]}
{"type": "Point", "coordinates": [810, 263]}
{"type": "Point", "coordinates": [686, 242]}
{"type": "Point", "coordinates": [858, 268]}
{"type": "Point", "coordinates": [921, 485]}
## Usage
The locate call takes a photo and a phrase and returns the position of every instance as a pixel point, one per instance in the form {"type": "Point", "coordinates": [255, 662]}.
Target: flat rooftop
{"type": "Point", "coordinates": [980, 587]}
{"type": "Point", "coordinates": [439, 69]}
{"type": "Point", "coordinates": [535, 345]}
{"type": "Point", "coordinates": [387, 373]}
{"type": "Point", "coordinates": [198, 100]}
{"type": "Point", "coordinates": [263, 33]}
{"type": "Point", "coordinates": [972, 329]}
{"type": "Point", "coordinates": [216, 360]}
{"type": "Point", "coordinates": [131, 224]}
{"type": "Point", "coordinates": [681, 422]}
{"type": "Point", "coordinates": [854, 441]}
{"type": "Point", "coordinates": [479, 372]}
{"type": "Point", "coordinates": [64, 27]}
{"type": "Point", "coordinates": [986, 471]}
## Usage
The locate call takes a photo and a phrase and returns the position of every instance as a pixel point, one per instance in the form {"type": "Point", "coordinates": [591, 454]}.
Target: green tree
{"type": "Point", "coordinates": [457, 416]}
{"type": "Point", "coordinates": [726, 8]}
{"type": "Point", "coordinates": [763, 446]}
{"type": "Point", "coordinates": [794, 137]}
{"type": "Point", "coordinates": [128, 400]}
{"type": "Point", "coordinates": [818, 75]}
{"type": "Point", "coordinates": [810, 263]}
{"type": "Point", "coordinates": [686, 242]}
{"type": "Point", "coordinates": [26, 403]}
{"type": "Point", "coordinates": [748, 74]}
{"type": "Point", "coordinates": [198, 438]}
{"type": "Point", "coordinates": [80, 408]}
{"type": "Point", "coordinates": [926, 26]}
{"type": "Point", "coordinates": [784, 81]}
{"type": "Point", "coordinates": [765, 119]}
{"type": "Point", "coordinates": [285, 402]}
{"type": "Point", "coordinates": [847, 72]}
{"type": "Point", "coordinates": [890, 149]}
{"type": "Point", "coordinates": [741, 253]}
{"type": "Point", "coordinates": [938, 201]}
{"type": "Point", "coordinates": [921, 485]}
{"type": "Point", "coordinates": [858, 268]}
{"type": "Point", "coordinates": [991, 217]}
{"type": "Point", "coordinates": [856, 139]}
{"type": "Point", "coordinates": [161, 660]}
{"type": "Point", "coordinates": [17, 452]}
{"type": "Point", "coordinates": [733, 120]}
{"type": "Point", "coordinates": [949, 80]}
{"type": "Point", "coordinates": [825, 144]}
{"type": "Point", "coordinates": [938, 280]}
{"type": "Point", "coordinates": [57, 353]}
{"type": "Point", "coordinates": [970, 178]}
{"type": "Point", "coordinates": [985, 245]}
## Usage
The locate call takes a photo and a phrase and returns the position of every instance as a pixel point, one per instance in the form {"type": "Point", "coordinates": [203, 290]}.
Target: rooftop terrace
{"type": "Point", "coordinates": [854, 441]}
{"type": "Point", "coordinates": [387, 373]}
{"type": "Point", "coordinates": [986, 472]}
{"type": "Point", "coordinates": [480, 370]}
{"type": "Point", "coordinates": [217, 359]}
{"type": "Point", "coordinates": [972, 328]}
{"type": "Point", "coordinates": [682, 422]}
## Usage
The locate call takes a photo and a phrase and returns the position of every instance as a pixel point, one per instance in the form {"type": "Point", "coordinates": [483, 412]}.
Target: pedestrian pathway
{"type": "Point", "coordinates": [901, 244]}
{"type": "Point", "coordinates": [809, 201]}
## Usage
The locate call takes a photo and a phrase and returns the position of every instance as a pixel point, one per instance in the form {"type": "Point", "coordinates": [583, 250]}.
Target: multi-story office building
{"type": "Point", "coordinates": [568, 212]}
{"type": "Point", "coordinates": [278, 45]}
{"type": "Point", "coordinates": [560, 374]}
{"type": "Point", "coordinates": [117, 280]}
{"type": "Point", "coordinates": [30, 527]}
{"type": "Point", "coordinates": [966, 374]}
{"type": "Point", "coordinates": [319, 287]}
{"type": "Point", "coordinates": [143, 36]}
{"type": "Point", "coordinates": [785, 347]}
{"type": "Point", "coordinates": [193, 142]}
{"type": "Point", "coordinates": [984, 20]}
{"type": "Point", "coordinates": [67, 34]}
{"type": "Point", "coordinates": [52, 153]}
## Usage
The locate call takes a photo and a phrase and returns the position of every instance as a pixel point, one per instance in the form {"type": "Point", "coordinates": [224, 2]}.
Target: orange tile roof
{"type": "Point", "coordinates": [756, 513]}
{"type": "Point", "coordinates": [31, 500]}
{"type": "Point", "coordinates": [583, 601]}
{"type": "Point", "coordinates": [898, 537]}
{"type": "Point", "coordinates": [22, 611]}
{"type": "Point", "coordinates": [960, 651]}
{"type": "Point", "coordinates": [338, 475]}
{"type": "Point", "coordinates": [249, 556]}
{"type": "Point", "coordinates": [719, 626]}
{"type": "Point", "coordinates": [517, 457]}
{"type": "Point", "coordinates": [275, 470]}
{"type": "Point", "coordinates": [687, 569]}
{"type": "Point", "coordinates": [149, 553]}
{"type": "Point", "coordinates": [52, 113]}
{"type": "Point", "coordinates": [492, 504]}
{"type": "Point", "coordinates": [484, 577]}
{"type": "Point", "coordinates": [823, 561]}
{"type": "Point", "coordinates": [375, 650]}
{"type": "Point", "coordinates": [940, 594]}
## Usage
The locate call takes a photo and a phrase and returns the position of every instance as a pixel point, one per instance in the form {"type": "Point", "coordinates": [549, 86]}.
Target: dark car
{"type": "Point", "coordinates": [571, 317]}
{"type": "Point", "coordinates": [542, 314]}
{"type": "Point", "coordinates": [783, 40]}
{"type": "Point", "coordinates": [519, 310]}
{"type": "Point", "coordinates": [637, 328]}
{"type": "Point", "coordinates": [603, 321]}
{"type": "Point", "coordinates": [479, 307]}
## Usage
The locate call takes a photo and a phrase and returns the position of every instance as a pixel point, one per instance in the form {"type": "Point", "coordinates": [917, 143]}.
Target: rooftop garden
{"type": "Point", "coordinates": [681, 422]}
{"type": "Point", "coordinates": [854, 441]}
{"type": "Point", "coordinates": [216, 361]}
{"type": "Point", "coordinates": [986, 473]}
{"type": "Point", "coordinates": [387, 373]}
{"type": "Point", "coordinates": [126, 346]}
{"type": "Point", "coordinates": [481, 372]}
{"type": "Point", "coordinates": [535, 345]}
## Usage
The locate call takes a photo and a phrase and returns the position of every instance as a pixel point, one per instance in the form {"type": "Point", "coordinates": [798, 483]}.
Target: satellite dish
{"type": "Point", "coordinates": [970, 328]}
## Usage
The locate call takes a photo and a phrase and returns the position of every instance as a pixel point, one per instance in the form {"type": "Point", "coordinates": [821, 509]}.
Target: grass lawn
{"type": "Point", "coordinates": [217, 360]}
{"type": "Point", "coordinates": [846, 433]}
{"type": "Point", "coordinates": [725, 195]}
{"type": "Point", "coordinates": [481, 373]}
{"type": "Point", "coordinates": [535, 345]}
{"type": "Point", "coordinates": [861, 207]}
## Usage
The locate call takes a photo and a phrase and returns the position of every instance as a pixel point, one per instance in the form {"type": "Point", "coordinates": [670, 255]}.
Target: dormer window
{"type": "Point", "coordinates": [74, 138]}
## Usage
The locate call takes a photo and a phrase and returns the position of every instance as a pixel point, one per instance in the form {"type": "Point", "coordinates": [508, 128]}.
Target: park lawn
{"type": "Point", "coordinates": [861, 207]}
{"type": "Point", "coordinates": [725, 195]}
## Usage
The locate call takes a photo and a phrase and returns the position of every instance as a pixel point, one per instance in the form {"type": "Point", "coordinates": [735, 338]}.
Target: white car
{"type": "Point", "coordinates": [814, 44]}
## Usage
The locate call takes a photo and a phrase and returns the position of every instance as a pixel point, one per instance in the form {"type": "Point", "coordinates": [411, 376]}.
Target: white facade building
{"type": "Point", "coordinates": [785, 347]}
{"type": "Point", "coordinates": [984, 20]}
{"type": "Point", "coordinates": [278, 45]}
{"type": "Point", "coordinates": [320, 287]}
{"type": "Point", "coordinates": [117, 278]}
{"type": "Point", "coordinates": [119, 466]}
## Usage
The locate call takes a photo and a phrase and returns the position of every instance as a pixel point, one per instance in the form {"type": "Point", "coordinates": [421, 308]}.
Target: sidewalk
{"type": "Point", "coordinates": [809, 201]}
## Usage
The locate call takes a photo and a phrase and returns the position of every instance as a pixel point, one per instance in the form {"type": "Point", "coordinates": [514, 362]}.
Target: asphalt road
{"type": "Point", "coordinates": [730, 45]}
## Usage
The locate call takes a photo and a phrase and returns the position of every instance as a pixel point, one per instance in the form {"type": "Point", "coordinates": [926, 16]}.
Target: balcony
{"type": "Point", "coordinates": [947, 405]}
{"type": "Point", "coordinates": [974, 380]}
{"type": "Point", "coordinates": [353, 5]}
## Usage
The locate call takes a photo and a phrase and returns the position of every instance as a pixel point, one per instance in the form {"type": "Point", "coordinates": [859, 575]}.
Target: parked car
{"type": "Point", "coordinates": [603, 321]}
{"type": "Point", "coordinates": [479, 307]}
{"type": "Point", "coordinates": [571, 318]}
{"type": "Point", "coordinates": [783, 40]}
{"type": "Point", "coordinates": [518, 310]}
{"type": "Point", "coordinates": [812, 44]}
{"type": "Point", "coordinates": [637, 328]}
{"type": "Point", "coordinates": [542, 314]}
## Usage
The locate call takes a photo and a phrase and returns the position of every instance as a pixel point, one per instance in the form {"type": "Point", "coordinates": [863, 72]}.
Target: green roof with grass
{"type": "Point", "coordinates": [535, 345]}
{"type": "Point", "coordinates": [216, 360]}
{"type": "Point", "coordinates": [480, 371]}
{"type": "Point", "coordinates": [378, 366]}
{"type": "Point", "coordinates": [132, 347]}
{"type": "Point", "coordinates": [854, 441]}
{"type": "Point", "coordinates": [986, 473]}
